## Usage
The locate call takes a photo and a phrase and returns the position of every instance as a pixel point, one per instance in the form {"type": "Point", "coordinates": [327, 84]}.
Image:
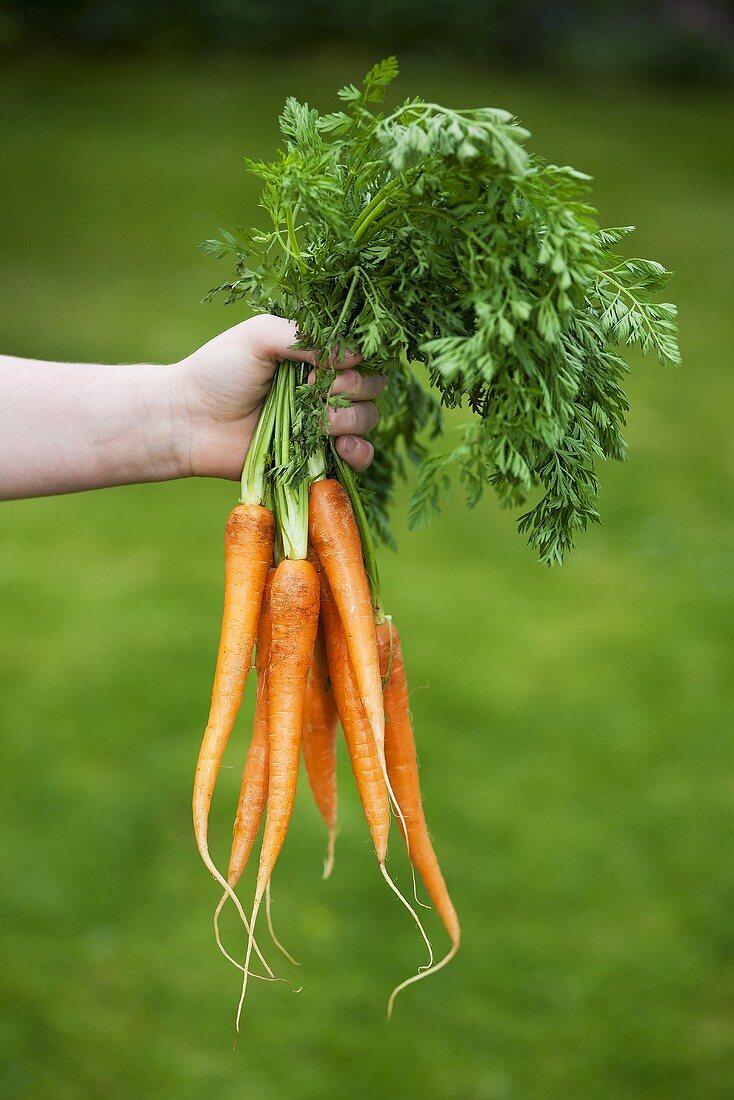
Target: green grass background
{"type": "Point", "coordinates": [574, 725]}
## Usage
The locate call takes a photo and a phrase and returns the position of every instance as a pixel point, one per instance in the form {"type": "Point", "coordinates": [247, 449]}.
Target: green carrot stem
{"type": "Point", "coordinates": [291, 503]}
{"type": "Point", "coordinates": [374, 207]}
{"type": "Point", "coordinates": [317, 465]}
{"type": "Point", "coordinates": [343, 313]}
{"type": "Point", "coordinates": [254, 471]}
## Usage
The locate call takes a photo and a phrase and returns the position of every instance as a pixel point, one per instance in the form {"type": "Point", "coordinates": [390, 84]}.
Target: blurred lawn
{"type": "Point", "coordinates": [575, 725]}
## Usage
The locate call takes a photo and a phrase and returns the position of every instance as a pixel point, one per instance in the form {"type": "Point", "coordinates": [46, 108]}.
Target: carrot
{"type": "Point", "coordinates": [295, 618]}
{"type": "Point", "coordinates": [357, 731]}
{"type": "Point", "coordinates": [254, 788]}
{"type": "Point", "coordinates": [338, 545]}
{"type": "Point", "coordinates": [319, 743]}
{"type": "Point", "coordinates": [294, 603]}
{"type": "Point", "coordinates": [366, 765]}
{"type": "Point", "coordinates": [248, 549]}
{"type": "Point", "coordinates": [335, 536]}
{"type": "Point", "coordinates": [402, 767]}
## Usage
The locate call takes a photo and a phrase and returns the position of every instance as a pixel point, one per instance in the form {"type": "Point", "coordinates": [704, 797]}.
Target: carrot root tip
{"type": "Point", "coordinates": [423, 973]}
{"type": "Point", "coordinates": [245, 969]}
{"type": "Point", "coordinates": [329, 857]}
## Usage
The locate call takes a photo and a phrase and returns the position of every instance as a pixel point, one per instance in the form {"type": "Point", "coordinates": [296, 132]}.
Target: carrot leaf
{"type": "Point", "coordinates": [474, 274]}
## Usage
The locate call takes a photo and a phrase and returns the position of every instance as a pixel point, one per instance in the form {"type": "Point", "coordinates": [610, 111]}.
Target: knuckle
{"type": "Point", "coordinates": [358, 419]}
{"type": "Point", "coordinates": [342, 420]}
{"type": "Point", "coordinates": [346, 382]}
{"type": "Point", "coordinates": [352, 419]}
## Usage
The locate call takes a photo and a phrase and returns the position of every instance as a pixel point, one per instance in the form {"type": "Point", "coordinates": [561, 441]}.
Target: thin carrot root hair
{"type": "Point", "coordinates": [246, 967]}
{"type": "Point", "coordinates": [218, 936]}
{"type": "Point", "coordinates": [273, 936]}
{"type": "Point", "coordinates": [217, 933]}
{"type": "Point", "coordinates": [421, 975]}
{"type": "Point", "coordinates": [229, 893]}
{"type": "Point", "coordinates": [238, 965]}
{"type": "Point", "coordinates": [395, 806]}
{"type": "Point", "coordinates": [416, 899]}
{"type": "Point", "coordinates": [385, 874]}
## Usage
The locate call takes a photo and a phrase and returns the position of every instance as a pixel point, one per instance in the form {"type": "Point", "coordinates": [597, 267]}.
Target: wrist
{"type": "Point", "coordinates": [164, 428]}
{"type": "Point", "coordinates": [178, 420]}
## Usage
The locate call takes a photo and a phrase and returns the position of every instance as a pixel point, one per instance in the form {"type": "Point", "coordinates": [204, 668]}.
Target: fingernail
{"type": "Point", "coordinates": [350, 444]}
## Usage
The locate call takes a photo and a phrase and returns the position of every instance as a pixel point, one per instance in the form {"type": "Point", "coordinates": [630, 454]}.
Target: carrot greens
{"type": "Point", "coordinates": [432, 240]}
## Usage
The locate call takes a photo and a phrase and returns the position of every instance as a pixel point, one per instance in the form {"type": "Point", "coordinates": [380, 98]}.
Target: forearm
{"type": "Point", "coordinates": [65, 427]}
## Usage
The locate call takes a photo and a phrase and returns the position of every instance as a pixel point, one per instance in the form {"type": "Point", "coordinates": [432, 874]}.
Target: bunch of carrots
{"type": "Point", "coordinates": [301, 591]}
{"type": "Point", "coordinates": [430, 238]}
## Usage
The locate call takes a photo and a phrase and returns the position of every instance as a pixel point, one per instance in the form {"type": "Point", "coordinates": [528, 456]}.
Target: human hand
{"type": "Point", "coordinates": [223, 384]}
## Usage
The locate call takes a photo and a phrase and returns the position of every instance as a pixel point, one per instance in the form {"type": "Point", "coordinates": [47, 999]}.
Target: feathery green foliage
{"type": "Point", "coordinates": [434, 242]}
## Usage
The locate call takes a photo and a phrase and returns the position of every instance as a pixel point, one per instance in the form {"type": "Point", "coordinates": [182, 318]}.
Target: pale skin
{"type": "Point", "coordinates": [66, 427]}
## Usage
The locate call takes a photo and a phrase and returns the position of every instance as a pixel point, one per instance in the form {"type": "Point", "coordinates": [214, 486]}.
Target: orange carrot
{"type": "Point", "coordinates": [369, 771]}
{"type": "Point", "coordinates": [357, 731]}
{"type": "Point", "coordinates": [294, 603]}
{"type": "Point", "coordinates": [402, 767]}
{"type": "Point", "coordinates": [319, 743]}
{"type": "Point", "coordinates": [248, 549]}
{"type": "Point", "coordinates": [254, 789]}
{"type": "Point", "coordinates": [337, 544]}
{"type": "Point", "coordinates": [335, 536]}
{"type": "Point", "coordinates": [295, 618]}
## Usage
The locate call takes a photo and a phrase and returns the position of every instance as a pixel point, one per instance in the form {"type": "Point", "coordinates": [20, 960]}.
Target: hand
{"type": "Point", "coordinates": [224, 383]}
